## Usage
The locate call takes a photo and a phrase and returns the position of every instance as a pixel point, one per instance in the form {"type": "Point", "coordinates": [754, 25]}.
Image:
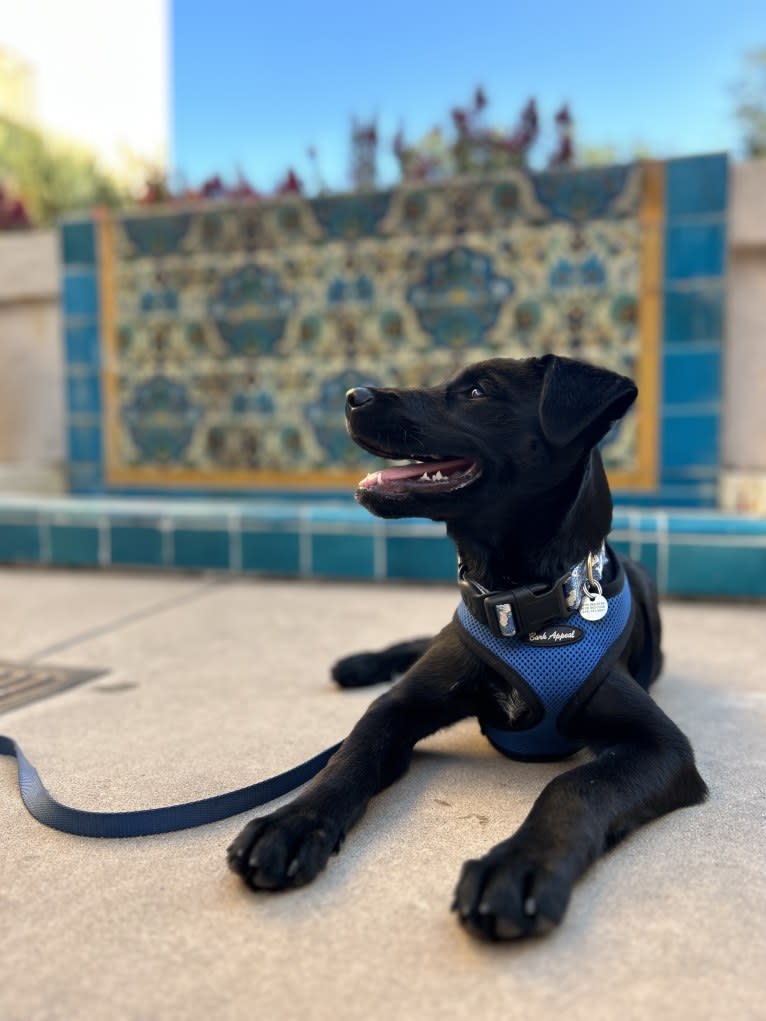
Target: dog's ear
{"type": "Point", "coordinates": [581, 400]}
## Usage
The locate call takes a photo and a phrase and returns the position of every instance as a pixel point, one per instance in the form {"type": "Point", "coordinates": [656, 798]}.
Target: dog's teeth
{"type": "Point", "coordinates": [425, 477]}
{"type": "Point", "coordinates": [438, 476]}
{"type": "Point", "coordinates": [370, 480]}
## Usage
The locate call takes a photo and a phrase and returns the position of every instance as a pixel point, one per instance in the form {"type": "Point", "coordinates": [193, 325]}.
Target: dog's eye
{"type": "Point", "coordinates": [476, 392]}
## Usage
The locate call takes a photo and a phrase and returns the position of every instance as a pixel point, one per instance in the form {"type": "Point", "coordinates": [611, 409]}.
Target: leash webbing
{"type": "Point", "coordinates": [144, 822]}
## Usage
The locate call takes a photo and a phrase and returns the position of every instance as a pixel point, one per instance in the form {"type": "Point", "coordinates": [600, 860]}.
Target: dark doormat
{"type": "Point", "coordinates": [22, 683]}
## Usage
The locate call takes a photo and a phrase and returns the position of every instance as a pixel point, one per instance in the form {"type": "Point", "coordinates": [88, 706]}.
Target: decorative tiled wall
{"type": "Point", "coordinates": [209, 348]}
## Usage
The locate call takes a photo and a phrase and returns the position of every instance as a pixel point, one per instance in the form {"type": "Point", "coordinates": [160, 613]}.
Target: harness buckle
{"type": "Point", "coordinates": [526, 608]}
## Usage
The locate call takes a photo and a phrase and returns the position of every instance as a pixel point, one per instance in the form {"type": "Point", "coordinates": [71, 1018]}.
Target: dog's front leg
{"type": "Point", "coordinates": [644, 767]}
{"type": "Point", "coordinates": [291, 846]}
{"type": "Point", "coordinates": [365, 668]}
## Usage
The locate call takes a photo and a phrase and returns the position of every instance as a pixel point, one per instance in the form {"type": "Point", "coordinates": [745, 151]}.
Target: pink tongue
{"type": "Point", "coordinates": [414, 471]}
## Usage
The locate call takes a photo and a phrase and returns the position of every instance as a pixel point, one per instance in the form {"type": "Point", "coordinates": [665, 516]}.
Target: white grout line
{"type": "Point", "coordinates": [662, 552]}
{"type": "Point", "coordinates": [305, 558]}
{"type": "Point", "coordinates": [84, 418]}
{"type": "Point", "coordinates": [168, 545]}
{"type": "Point", "coordinates": [692, 409]}
{"type": "Point", "coordinates": [379, 552]}
{"type": "Point", "coordinates": [676, 348]}
{"type": "Point", "coordinates": [710, 284]}
{"type": "Point", "coordinates": [729, 541]}
{"type": "Point", "coordinates": [634, 532]}
{"type": "Point", "coordinates": [691, 539]}
{"type": "Point", "coordinates": [44, 529]}
{"type": "Point", "coordinates": [345, 528]}
{"type": "Point", "coordinates": [235, 543]}
{"type": "Point", "coordinates": [104, 542]}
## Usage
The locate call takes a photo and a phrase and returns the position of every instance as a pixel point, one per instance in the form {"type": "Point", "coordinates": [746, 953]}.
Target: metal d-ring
{"type": "Point", "coordinates": [591, 588]}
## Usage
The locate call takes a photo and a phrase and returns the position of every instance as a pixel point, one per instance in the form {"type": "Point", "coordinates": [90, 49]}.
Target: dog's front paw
{"type": "Point", "coordinates": [506, 895]}
{"type": "Point", "coordinates": [361, 669]}
{"type": "Point", "coordinates": [287, 848]}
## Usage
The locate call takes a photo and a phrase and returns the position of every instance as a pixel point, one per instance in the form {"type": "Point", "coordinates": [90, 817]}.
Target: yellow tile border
{"type": "Point", "coordinates": [651, 218]}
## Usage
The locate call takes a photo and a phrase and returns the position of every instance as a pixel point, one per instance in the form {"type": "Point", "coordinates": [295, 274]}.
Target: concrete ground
{"type": "Point", "coordinates": [213, 684]}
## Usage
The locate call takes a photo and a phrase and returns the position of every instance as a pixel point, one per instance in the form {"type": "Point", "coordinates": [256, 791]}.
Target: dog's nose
{"type": "Point", "coordinates": [359, 396]}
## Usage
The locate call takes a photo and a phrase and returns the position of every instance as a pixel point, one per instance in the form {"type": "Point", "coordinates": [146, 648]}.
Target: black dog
{"type": "Point", "coordinates": [508, 458]}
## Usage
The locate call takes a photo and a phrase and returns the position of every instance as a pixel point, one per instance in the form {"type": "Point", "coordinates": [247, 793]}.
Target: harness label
{"type": "Point", "coordinates": [555, 634]}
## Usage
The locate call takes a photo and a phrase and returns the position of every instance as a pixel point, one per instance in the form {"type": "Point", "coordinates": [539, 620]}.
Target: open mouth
{"type": "Point", "coordinates": [431, 476]}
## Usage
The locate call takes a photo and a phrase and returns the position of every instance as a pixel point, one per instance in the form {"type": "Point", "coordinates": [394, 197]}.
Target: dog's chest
{"type": "Point", "coordinates": [511, 703]}
{"type": "Point", "coordinates": [503, 705]}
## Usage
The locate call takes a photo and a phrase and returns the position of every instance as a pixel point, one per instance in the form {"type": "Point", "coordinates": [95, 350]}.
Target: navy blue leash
{"type": "Point", "coordinates": [147, 821]}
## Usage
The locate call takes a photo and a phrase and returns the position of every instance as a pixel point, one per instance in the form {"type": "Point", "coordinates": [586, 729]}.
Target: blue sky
{"type": "Point", "coordinates": [255, 84]}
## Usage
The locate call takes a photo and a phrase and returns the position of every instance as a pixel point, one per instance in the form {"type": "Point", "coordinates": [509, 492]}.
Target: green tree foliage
{"type": "Point", "coordinates": [52, 178]}
{"type": "Point", "coordinates": [751, 104]}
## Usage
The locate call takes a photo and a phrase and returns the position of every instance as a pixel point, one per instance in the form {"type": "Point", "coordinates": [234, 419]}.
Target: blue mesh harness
{"type": "Point", "coordinates": [552, 679]}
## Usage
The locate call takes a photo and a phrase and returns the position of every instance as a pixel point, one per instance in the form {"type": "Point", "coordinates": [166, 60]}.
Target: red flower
{"type": "Point", "coordinates": [291, 185]}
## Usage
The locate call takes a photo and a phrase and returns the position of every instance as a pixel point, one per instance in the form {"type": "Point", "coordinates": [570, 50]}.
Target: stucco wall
{"type": "Point", "coordinates": [32, 427]}
{"type": "Point", "coordinates": [743, 480]}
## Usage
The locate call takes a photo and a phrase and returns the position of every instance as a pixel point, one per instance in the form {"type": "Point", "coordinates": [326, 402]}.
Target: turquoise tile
{"type": "Point", "coordinates": [643, 551]}
{"type": "Point", "coordinates": [84, 443]}
{"type": "Point", "coordinates": [689, 441]}
{"type": "Point", "coordinates": [84, 393]}
{"type": "Point", "coordinates": [80, 293]}
{"type": "Point", "coordinates": [694, 314]}
{"type": "Point", "coordinates": [433, 559]}
{"type": "Point", "coordinates": [85, 477]}
{"type": "Point", "coordinates": [136, 544]}
{"type": "Point", "coordinates": [696, 184]}
{"type": "Point", "coordinates": [647, 555]}
{"type": "Point", "coordinates": [82, 344]}
{"type": "Point", "coordinates": [639, 548]}
{"type": "Point", "coordinates": [695, 377]}
{"type": "Point", "coordinates": [710, 570]}
{"type": "Point", "coordinates": [343, 556]}
{"type": "Point", "coordinates": [621, 546]}
{"type": "Point", "coordinates": [74, 545]}
{"type": "Point", "coordinates": [19, 543]}
{"type": "Point", "coordinates": [694, 250]}
{"type": "Point", "coordinates": [78, 243]}
{"type": "Point", "coordinates": [200, 548]}
{"type": "Point", "coordinates": [276, 552]}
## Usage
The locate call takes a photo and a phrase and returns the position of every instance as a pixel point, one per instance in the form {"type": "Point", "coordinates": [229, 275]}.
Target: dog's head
{"type": "Point", "coordinates": [502, 428]}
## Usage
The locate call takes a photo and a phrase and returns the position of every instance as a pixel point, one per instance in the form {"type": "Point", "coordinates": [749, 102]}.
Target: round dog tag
{"type": "Point", "coordinates": [593, 607]}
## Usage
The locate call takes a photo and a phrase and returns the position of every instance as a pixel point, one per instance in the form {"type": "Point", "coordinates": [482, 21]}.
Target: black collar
{"type": "Point", "coordinates": [526, 608]}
